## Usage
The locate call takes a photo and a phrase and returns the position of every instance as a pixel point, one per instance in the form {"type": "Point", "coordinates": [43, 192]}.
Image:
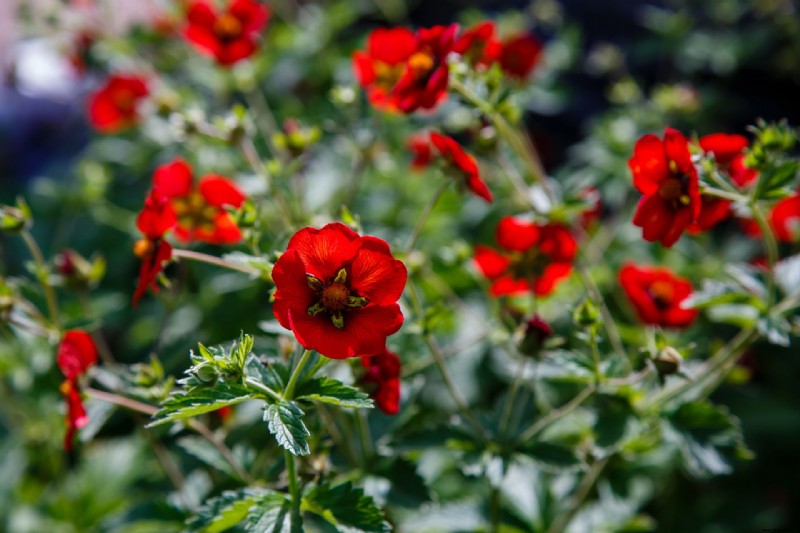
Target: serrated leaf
{"type": "Point", "coordinates": [273, 375]}
{"type": "Point", "coordinates": [198, 401]}
{"type": "Point", "coordinates": [552, 456]}
{"type": "Point", "coordinates": [327, 390]}
{"type": "Point", "coordinates": [229, 509]}
{"type": "Point", "coordinates": [346, 508]}
{"type": "Point", "coordinates": [285, 421]}
{"type": "Point", "coordinates": [206, 452]}
{"type": "Point", "coordinates": [708, 437]}
{"type": "Point", "coordinates": [714, 293]}
{"type": "Point", "coordinates": [272, 515]}
{"type": "Point", "coordinates": [747, 276]}
{"type": "Point", "coordinates": [787, 274]}
{"type": "Point", "coordinates": [775, 329]}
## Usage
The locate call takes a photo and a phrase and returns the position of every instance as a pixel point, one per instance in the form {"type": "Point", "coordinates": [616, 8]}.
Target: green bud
{"type": "Point", "coordinates": [667, 361]}
{"type": "Point", "coordinates": [586, 314]}
{"type": "Point", "coordinates": [15, 218]}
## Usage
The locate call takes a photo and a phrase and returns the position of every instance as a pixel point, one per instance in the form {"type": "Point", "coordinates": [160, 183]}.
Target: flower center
{"type": "Point", "coordinates": [143, 248]}
{"type": "Point", "coordinates": [529, 264]}
{"type": "Point", "coordinates": [193, 212]}
{"type": "Point", "coordinates": [662, 293]}
{"type": "Point", "coordinates": [334, 297]}
{"type": "Point", "coordinates": [386, 74]}
{"type": "Point", "coordinates": [227, 27]}
{"type": "Point", "coordinates": [421, 63]}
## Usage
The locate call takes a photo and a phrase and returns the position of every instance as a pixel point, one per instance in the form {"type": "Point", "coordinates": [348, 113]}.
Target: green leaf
{"type": "Point", "coordinates": [198, 401]}
{"type": "Point", "coordinates": [708, 437]}
{"type": "Point", "coordinates": [346, 508]}
{"type": "Point", "coordinates": [206, 452]}
{"type": "Point", "coordinates": [714, 293]}
{"type": "Point", "coordinates": [787, 274]}
{"type": "Point", "coordinates": [741, 315]}
{"type": "Point", "coordinates": [552, 456]}
{"type": "Point", "coordinates": [273, 375]}
{"type": "Point", "coordinates": [614, 419]}
{"type": "Point", "coordinates": [327, 390]}
{"type": "Point", "coordinates": [775, 329]}
{"type": "Point", "coordinates": [272, 515]}
{"type": "Point", "coordinates": [285, 421]}
{"type": "Point", "coordinates": [231, 508]}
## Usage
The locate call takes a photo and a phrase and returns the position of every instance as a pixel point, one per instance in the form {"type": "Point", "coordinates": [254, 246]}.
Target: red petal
{"type": "Point", "coordinates": [387, 396]}
{"type": "Point", "coordinates": [551, 276]}
{"type": "Point", "coordinates": [325, 251]}
{"type": "Point", "coordinates": [516, 235]}
{"type": "Point", "coordinates": [104, 115]}
{"type": "Point", "coordinates": [76, 353]}
{"type": "Point", "coordinates": [676, 148]}
{"type": "Point", "coordinates": [201, 13]}
{"type": "Point", "coordinates": [236, 51]}
{"type": "Point", "coordinates": [490, 262]}
{"type": "Point", "coordinates": [225, 230]}
{"type": "Point", "coordinates": [724, 146]}
{"type": "Point", "coordinates": [363, 69]}
{"type": "Point", "coordinates": [149, 270]}
{"type": "Point", "coordinates": [519, 55]}
{"type": "Point", "coordinates": [220, 191]}
{"type": "Point", "coordinates": [507, 286]}
{"type": "Point", "coordinates": [391, 46]}
{"type": "Point", "coordinates": [252, 15]}
{"type": "Point", "coordinates": [648, 164]}
{"type": "Point", "coordinates": [479, 188]}
{"type": "Point", "coordinates": [557, 243]}
{"type": "Point", "coordinates": [653, 216]}
{"type": "Point", "coordinates": [204, 40]}
{"type": "Point", "coordinates": [680, 221]}
{"type": "Point", "coordinates": [785, 219]}
{"type": "Point", "coordinates": [289, 276]}
{"type": "Point", "coordinates": [173, 179]}
{"type": "Point", "coordinates": [375, 274]}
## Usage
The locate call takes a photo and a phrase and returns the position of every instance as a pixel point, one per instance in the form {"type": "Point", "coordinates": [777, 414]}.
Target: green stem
{"type": "Point", "coordinates": [365, 436]}
{"type": "Point", "coordinates": [771, 247]}
{"type": "Point", "coordinates": [505, 418]}
{"type": "Point", "coordinates": [541, 424]}
{"type": "Point", "coordinates": [581, 492]}
{"type": "Point", "coordinates": [288, 393]}
{"type": "Point", "coordinates": [251, 155]}
{"type": "Point", "coordinates": [294, 489]}
{"type": "Point", "coordinates": [41, 266]}
{"type": "Point", "coordinates": [424, 216]}
{"type": "Point", "coordinates": [213, 260]}
{"type": "Point", "coordinates": [260, 387]}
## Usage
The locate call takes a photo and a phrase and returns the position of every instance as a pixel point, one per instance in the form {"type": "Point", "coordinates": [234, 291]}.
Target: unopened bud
{"type": "Point", "coordinates": [586, 314]}
{"type": "Point", "coordinates": [537, 331]}
{"type": "Point", "coordinates": [14, 218]}
{"type": "Point", "coordinates": [668, 361]}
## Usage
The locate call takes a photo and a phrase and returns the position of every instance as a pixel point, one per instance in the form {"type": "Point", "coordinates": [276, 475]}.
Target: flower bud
{"type": "Point", "coordinates": [295, 138]}
{"type": "Point", "coordinates": [537, 331]}
{"type": "Point", "coordinates": [586, 314]}
{"type": "Point", "coordinates": [667, 362]}
{"type": "Point", "coordinates": [15, 218]}
{"type": "Point", "coordinates": [6, 299]}
{"type": "Point", "coordinates": [78, 271]}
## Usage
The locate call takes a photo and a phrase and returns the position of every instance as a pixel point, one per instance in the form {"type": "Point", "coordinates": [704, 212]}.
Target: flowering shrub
{"type": "Point", "coordinates": [541, 341]}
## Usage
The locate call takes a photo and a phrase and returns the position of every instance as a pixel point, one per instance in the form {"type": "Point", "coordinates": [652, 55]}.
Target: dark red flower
{"type": "Point", "coordinates": [478, 45]}
{"type": "Point", "coordinates": [229, 35]}
{"type": "Point", "coordinates": [537, 331]}
{"type": "Point", "coordinates": [338, 291]}
{"type": "Point", "coordinates": [76, 354]}
{"type": "Point", "coordinates": [713, 210]}
{"type": "Point", "coordinates": [156, 218]}
{"type": "Point", "coordinates": [663, 172]}
{"type": "Point", "coordinates": [519, 55]}
{"type": "Point", "coordinates": [421, 149]}
{"type": "Point", "coordinates": [656, 294]}
{"type": "Point", "coordinates": [115, 106]}
{"type": "Point", "coordinates": [535, 258]}
{"type": "Point", "coordinates": [404, 71]}
{"type": "Point", "coordinates": [383, 372]}
{"type": "Point", "coordinates": [785, 219]}
{"type": "Point", "coordinates": [462, 164]}
{"type": "Point", "coordinates": [728, 152]}
{"type": "Point", "coordinates": [592, 214]}
{"type": "Point", "coordinates": [199, 207]}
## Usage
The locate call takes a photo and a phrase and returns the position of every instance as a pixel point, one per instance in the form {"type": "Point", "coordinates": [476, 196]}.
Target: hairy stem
{"type": "Point", "coordinates": [213, 260]}
{"type": "Point", "coordinates": [288, 393]}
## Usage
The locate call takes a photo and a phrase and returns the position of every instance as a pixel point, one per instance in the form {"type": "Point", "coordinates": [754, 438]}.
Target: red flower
{"type": "Point", "coordinates": [199, 207]}
{"type": "Point", "coordinates": [785, 219]}
{"type": "Point", "coordinates": [537, 331]}
{"type": "Point", "coordinates": [663, 172]}
{"type": "Point", "coordinates": [76, 353]}
{"type": "Point", "coordinates": [727, 150]}
{"type": "Point", "coordinates": [404, 71]}
{"type": "Point", "coordinates": [712, 211]}
{"type": "Point", "coordinates": [461, 163]}
{"type": "Point", "coordinates": [478, 44]}
{"type": "Point", "coordinates": [156, 218]}
{"type": "Point", "coordinates": [519, 55]}
{"type": "Point", "coordinates": [656, 294]}
{"type": "Point", "coordinates": [115, 105]}
{"type": "Point", "coordinates": [228, 36]}
{"type": "Point", "coordinates": [383, 371]}
{"type": "Point", "coordinates": [338, 291]}
{"type": "Point", "coordinates": [420, 147]}
{"type": "Point", "coordinates": [535, 257]}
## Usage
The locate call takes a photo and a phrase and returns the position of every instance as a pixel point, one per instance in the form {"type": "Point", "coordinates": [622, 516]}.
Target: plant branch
{"type": "Point", "coordinates": [213, 260]}
{"type": "Point", "coordinates": [41, 266]}
{"type": "Point", "coordinates": [581, 492]}
{"type": "Point", "coordinates": [554, 415]}
{"type": "Point", "coordinates": [412, 239]}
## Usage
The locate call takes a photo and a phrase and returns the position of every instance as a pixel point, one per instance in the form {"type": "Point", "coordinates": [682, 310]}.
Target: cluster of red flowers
{"type": "Point", "coordinates": [534, 257]}
{"type": "Point", "coordinates": [407, 71]}
{"type": "Point", "coordinates": [196, 211]}
{"type": "Point", "coordinates": [656, 294]}
{"type": "Point", "coordinates": [227, 35]}
{"type": "Point", "coordinates": [455, 159]}
{"type": "Point", "coordinates": [115, 106]}
{"type": "Point", "coordinates": [76, 354]}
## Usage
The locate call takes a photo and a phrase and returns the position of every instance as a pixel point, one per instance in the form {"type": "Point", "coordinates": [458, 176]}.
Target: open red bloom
{"type": "Point", "coordinates": [156, 218]}
{"type": "Point", "coordinates": [230, 35]}
{"type": "Point", "coordinates": [404, 71]}
{"type": "Point", "coordinates": [199, 207]}
{"type": "Point", "coordinates": [656, 294]}
{"type": "Point", "coordinates": [115, 105]}
{"type": "Point", "coordinates": [383, 371]}
{"type": "Point", "coordinates": [478, 45]}
{"type": "Point", "coordinates": [337, 291]}
{"type": "Point", "coordinates": [663, 172]}
{"type": "Point", "coordinates": [461, 163]}
{"type": "Point", "coordinates": [76, 354]}
{"type": "Point", "coordinates": [519, 55]}
{"type": "Point", "coordinates": [534, 257]}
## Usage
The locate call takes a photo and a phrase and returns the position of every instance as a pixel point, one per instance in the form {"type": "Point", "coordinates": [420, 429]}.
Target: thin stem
{"type": "Point", "coordinates": [575, 502]}
{"type": "Point", "coordinates": [364, 434]}
{"type": "Point", "coordinates": [251, 155]}
{"type": "Point", "coordinates": [288, 393]}
{"type": "Point", "coordinates": [505, 418]}
{"type": "Point", "coordinates": [260, 387]}
{"type": "Point", "coordinates": [725, 195]}
{"type": "Point", "coordinates": [771, 247]}
{"type": "Point", "coordinates": [554, 415]}
{"type": "Point", "coordinates": [213, 260]}
{"type": "Point", "coordinates": [424, 216]}
{"type": "Point", "coordinates": [49, 291]}
{"type": "Point", "coordinates": [97, 335]}
{"type": "Point", "coordinates": [122, 401]}
{"type": "Point", "coordinates": [294, 489]}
